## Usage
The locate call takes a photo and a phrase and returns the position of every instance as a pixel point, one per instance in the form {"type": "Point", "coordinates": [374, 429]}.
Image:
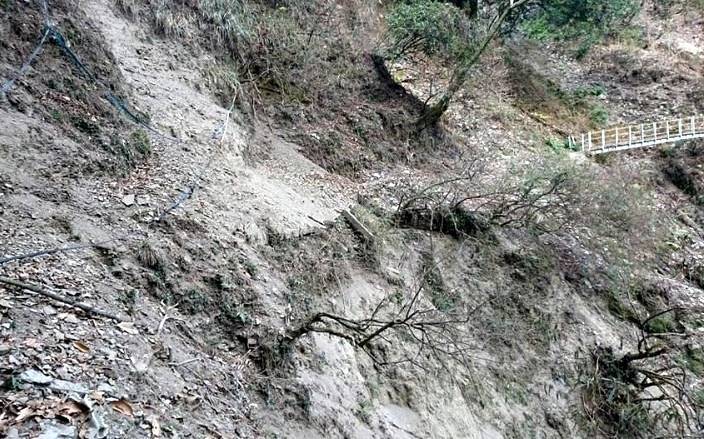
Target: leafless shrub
{"type": "Point", "coordinates": [540, 196]}
{"type": "Point", "coordinates": [646, 392]}
{"type": "Point", "coordinates": [550, 193]}
{"type": "Point", "coordinates": [440, 335]}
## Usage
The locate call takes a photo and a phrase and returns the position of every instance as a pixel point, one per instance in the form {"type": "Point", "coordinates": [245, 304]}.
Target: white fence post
{"type": "Point", "coordinates": [603, 139]}
{"type": "Point", "coordinates": [667, 128]}
{"type": "Point", "coordinates": [642, 133]}
{"type": "Point", "coordinates": [630, 135]}
{"type": "Point", "coordinates": [590, 140]}
{"type": "Point", "coordinates": [655, 132]}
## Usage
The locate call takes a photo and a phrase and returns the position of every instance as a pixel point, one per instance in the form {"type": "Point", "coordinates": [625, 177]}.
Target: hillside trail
{"type": "Point", "coordinates": [285, 191]}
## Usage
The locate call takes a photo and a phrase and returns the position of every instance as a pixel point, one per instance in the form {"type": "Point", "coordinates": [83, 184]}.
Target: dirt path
{"type": "Point", "coordinates": [284, 192]}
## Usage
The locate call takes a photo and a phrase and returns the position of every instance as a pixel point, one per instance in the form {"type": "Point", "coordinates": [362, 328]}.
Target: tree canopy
{"type": "Point", "coordinates": [462, 33]}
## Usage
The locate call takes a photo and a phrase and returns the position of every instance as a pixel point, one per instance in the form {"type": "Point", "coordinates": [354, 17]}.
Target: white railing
{"type": "Point", "coordinates": [639, 136]}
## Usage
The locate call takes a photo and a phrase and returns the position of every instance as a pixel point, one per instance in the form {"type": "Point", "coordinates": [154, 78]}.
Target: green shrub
{"type": "Point", "coordinates": [693, 359]}
{"type": "Point", "coordinates": [662, 325]}
{"type": "Point", "coordinates": [599, 115]}
{"type": "Point", "coordinates": [589, 90]}
{"type": "Point", "coordinates": [611, 399]}
{"type": "Point", "coordinates": [558, 144]}
{"type": "Point", "coordinates": [587, 21]}
{"type": "Point", "coordinates": [427, 26]}
{"type": "Point", "coordinates": [431, 276]}
{"type": "Point", "coordinates": [139, 141]}
{"type": "Point", "coordinates": [232, 20]}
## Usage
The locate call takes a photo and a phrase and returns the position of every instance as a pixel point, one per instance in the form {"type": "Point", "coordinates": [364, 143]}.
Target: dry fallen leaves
{"type": "Point", "coordinates": [156, 427]}
{"type": "Point", "coordinates": [32, 343]}
{"type": "Point", "coordinates": [128, 327]}
{"type": "Point", "coordinates": [25, 413]}
{"type": "Point", "coordinates": [81, 346]}
{"type": "Point", "coordinates": [123, 407]}
{"type": "Point", "coordinates": [69, 410]}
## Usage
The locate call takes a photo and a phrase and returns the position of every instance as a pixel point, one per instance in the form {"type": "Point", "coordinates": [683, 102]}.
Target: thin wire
{"type": "Point", "coordinates": [9, 84]}
{"type": "Point", "coordinates": [188, 191]}
{"type": "Point", "coordinates": [57, 37]}
{"type": "Point", "coordinates": [115, 101]}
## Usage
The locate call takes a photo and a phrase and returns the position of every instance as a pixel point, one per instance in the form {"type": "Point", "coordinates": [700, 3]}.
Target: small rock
{"type": "Point", "coordinates": [128, 200]}
{"type": "Point", "coordinates": [33, 376]}
{"type": "Point", "coordinates": [67, 386]}
{"type": "Point", "coordinates": [58, 431]}
{"type": "Point", "coordinates": [128, 327]}
{"type": "Point", "coordinates": [59, 336]}
{"type": "Point", "coordinates": [143, 200]}
{"type": "Point", "coordinates": [97, 427]}
{"type": "Point", "coordinates": [254, 234]}
{"type": "Point", "coordinates": [106, 388]}
{"type": "Point", "coordinates": [69, 318]}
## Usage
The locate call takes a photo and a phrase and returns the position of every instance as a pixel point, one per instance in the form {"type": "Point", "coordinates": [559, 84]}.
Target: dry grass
{"type": "Point", "coordinates": [149, 257]}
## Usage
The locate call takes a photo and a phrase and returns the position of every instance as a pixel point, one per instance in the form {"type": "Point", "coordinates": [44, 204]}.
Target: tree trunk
{"type": "Point", "coordinates": [473, 8]}
{"type": "Point", "coordinates": [432, 114]}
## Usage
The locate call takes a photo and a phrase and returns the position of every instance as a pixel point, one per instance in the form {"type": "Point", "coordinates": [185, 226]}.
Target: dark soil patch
{"type": "Point", "coordinates": [56, 89]}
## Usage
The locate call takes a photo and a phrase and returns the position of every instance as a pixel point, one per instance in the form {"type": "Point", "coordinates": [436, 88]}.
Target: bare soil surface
{"type": "Point", "coordinates": [207, 240]}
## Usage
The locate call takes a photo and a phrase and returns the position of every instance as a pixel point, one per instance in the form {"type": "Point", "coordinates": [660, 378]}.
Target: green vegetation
{"type": "Point", "coordinates": [129, 151]}
{"type": "Point", "coordinates": [87, 126]}
{"type": "Point", "coordinates": [139, 141]}
{"type": "Point", "coordinates": [693, 359]}
{"type": "Point", "coordinates": [432, 28]}
{"type": "Point", "coordinates": [599, 115]}
{"type": "Point", "coordinates": [557, 145]}
{"type": "Point", "coordinates": [587, 21]}
{"type": "Point", "coordinates": [431, 276]}
{"type": "Point", "coordinates": [427, 26]}
{"type": "Point", "coordinates": [619, 305]}
{"type": "Point", "coordinates": [610, 399]}
{"type": "Point", "coordinates": [232, 314]}
{"type": "Point", "coordinates": [364, 410]}
{"type": "Point", "coordinates": [662, 325]}
{"type": "Point", "coordinates": [193, 301]}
